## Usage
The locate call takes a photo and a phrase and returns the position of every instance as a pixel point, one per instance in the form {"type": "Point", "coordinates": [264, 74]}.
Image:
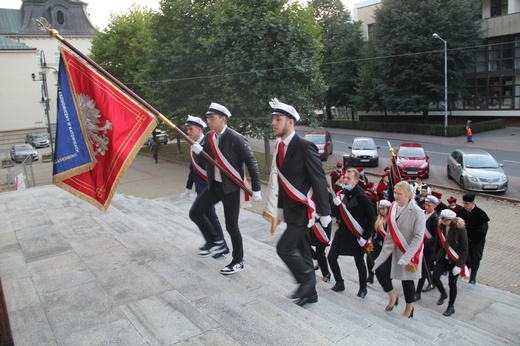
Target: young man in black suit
{"type": "Point", "coordinates": [227, 146]}
{"type": "Point", "coordinates": [299, 171]}
{"type": "Point", "coordinates": [195, 129]}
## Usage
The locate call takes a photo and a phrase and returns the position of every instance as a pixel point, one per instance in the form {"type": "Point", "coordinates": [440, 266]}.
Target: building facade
{"type": "Point", "coordinates": [23, 50]}
{"type": "Point", "coordinates": [493, 83]}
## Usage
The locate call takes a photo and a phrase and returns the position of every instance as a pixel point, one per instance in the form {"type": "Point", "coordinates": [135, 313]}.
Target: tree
{"type": "Point", "coordinates": [342, 48]}
{"type": "Point", "coordinates": [412, 71]}
{"type": "Point", "coordinates": [123, 47]}
{"type": "Point", "coordinates": [239, 53]}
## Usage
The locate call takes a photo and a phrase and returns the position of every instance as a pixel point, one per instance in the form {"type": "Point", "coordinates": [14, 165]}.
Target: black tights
{"type": "Point", "coordinates": [383, 276]}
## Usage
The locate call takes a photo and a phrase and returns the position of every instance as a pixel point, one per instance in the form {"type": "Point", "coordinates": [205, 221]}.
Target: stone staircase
{"type": "Point", "coordinates": [131, 276]}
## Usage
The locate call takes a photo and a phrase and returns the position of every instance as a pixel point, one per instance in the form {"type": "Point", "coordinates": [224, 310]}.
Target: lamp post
{"type": "Point", "coordinates": [45, 94]}
{"type": "Point", "coordinates": [435, 35]}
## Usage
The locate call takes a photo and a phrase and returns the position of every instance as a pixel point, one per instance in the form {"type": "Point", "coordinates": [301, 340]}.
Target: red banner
{"type": "Point", "coordinates": [116, 124]}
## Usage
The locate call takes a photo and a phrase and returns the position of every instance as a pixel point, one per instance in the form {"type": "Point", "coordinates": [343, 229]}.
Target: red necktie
{"type": "Point", "coordinates": [281, 153]}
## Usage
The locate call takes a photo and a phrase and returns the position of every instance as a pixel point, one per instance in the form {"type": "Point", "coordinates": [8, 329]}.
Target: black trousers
{"type": "Point", "coordinates": [427, 264]}
{"type": "Point", "coordinates": [475, 253]}
{"type": "Point", "coordinates": [336, 271]}
{"type": "Point", "coordinates": [294, 248]}
{"type": "Point", "coordinates": [231, 203]}
{"type": "Point", "coordinates": [441, 266]}
{"type": "Point", "coordinates": [319, 253]}
{"type": "Point", "coordinates": [383, 276]}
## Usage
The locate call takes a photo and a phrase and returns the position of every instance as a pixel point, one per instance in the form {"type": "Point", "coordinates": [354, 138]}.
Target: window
{"type": "Point", "coordinates": [498, 7]}
{"type": "Point", "coordinates": [60, 17]}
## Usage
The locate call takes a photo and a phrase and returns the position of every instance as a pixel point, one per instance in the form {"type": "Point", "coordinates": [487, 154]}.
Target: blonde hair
{"type": "Point", "coordinates": [404, 187]}
{"type": "Point", "coordinates": [381, 220]}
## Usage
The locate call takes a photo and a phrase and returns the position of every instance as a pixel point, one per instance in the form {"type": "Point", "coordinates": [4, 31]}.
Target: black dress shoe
{"type": "Point", "coordinates": [427, 289]}
{"type": "Point", "coordinates": [297, 294]}
{"type": "Point", "coordinates": [362, 293]}
{"type": "Point", "coordinates": [442, 299]}
{"type": "Point", "coordinates": [370, 278]}
{"type": "Point", "coordinates": [417, 297]}
{"type": "Point", "coordinates": [449, 311]}
{"type": "Point", "coordinates": [338, 286]}
{"type": "Point", "coordinates": [307, 300]}
{"type": "Point", "coordinates": [472, 281]}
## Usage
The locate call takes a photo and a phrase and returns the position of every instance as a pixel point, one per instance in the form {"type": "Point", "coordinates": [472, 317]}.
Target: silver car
{"type": "Point", "coordinates": [363, 152]}
{"type": "Point", "coordinates": [21, 151]}
{"type": "Point", "coordinates": [476, 170]}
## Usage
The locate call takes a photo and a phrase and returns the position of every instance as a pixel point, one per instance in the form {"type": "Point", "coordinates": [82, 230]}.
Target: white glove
{"type": "Point", "coordinates": [325, 220]}
{"type": "Point", "coordinates": [361, 241]}
{"type": "Point", "coordinates": [456, 270]}
{"type": "Point", "coordinates": [187, 194]}
{"type": "Point", "coordinates": [196, 148]}
{"type": "Point", "coordinates": [336, 201]}
{"type": "Point", "coordinates": [279, 214]}
{"type": "Point", "coordinates": [257, 196]}
{"type": "Point", "coordinates": [402, 262]}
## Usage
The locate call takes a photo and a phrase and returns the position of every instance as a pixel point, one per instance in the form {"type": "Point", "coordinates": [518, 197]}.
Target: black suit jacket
{"type": "Point", "coordinates": [235, 148]}
{"type": "Point", "coordinates": [302, 168]}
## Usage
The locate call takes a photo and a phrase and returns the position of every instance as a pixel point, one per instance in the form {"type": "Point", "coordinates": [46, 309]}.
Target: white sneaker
{"type": "Point", "coordinates": [232, 268]}
{"type": "Point", "coordinates": [213, 250]}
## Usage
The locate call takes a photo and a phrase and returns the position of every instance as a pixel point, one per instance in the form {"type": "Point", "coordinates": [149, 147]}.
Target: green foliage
{"type": "Point", "coordinates": [123, 47]}
{"type": "Point", "coordinates": [411, 64]}
{"type": "Point", "coordinates": [342, 49]}
{"type": "Point", "coordinates": [238, 53]}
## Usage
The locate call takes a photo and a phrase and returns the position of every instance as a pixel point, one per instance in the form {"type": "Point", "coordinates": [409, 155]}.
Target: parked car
{"type": "Point", "coordinates": [413, 161]}
{"type": "Point", "coordinates": [323, 141]}
{"type": "Point", "coordinates": [37, 140]}
{"type": "Point", "coordinates": [20, 151]}
{"type": "Point", "coordinates": [476, 170]}
{"type": "Point", "coordinates": [363, 152]}
{"type": "Point", "coordinates": [161, 136]}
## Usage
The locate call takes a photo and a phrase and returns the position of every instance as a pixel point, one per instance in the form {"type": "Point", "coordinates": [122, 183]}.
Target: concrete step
{"type": "Point", "coordinates": [132, 276]}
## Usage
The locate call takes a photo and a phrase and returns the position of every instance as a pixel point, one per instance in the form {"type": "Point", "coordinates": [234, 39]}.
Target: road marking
{"type": "Point", "coordinates": [511, 161]}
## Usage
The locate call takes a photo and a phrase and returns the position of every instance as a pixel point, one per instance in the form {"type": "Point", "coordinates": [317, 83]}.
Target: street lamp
{"type": "Point", "coordinates": [435, 35]}
{"type": "Point", "coordinates": [45, 94]}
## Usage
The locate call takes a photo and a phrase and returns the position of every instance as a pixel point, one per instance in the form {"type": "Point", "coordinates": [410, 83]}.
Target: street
{"type": "Point", "coordinates": [502, 144]}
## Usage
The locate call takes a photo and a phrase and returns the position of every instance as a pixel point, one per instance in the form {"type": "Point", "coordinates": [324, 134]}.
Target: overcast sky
{"type": "Point", "coordinates": [100, 10]}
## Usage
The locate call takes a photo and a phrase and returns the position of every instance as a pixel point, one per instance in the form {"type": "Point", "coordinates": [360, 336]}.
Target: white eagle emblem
{"type": "Point", "coordinates": [97, 132]}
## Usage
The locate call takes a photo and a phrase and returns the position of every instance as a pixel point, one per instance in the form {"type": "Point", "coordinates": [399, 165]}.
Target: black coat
{"type": "Point", "coordinates": [235, 148]}
{"type": "Point", "coordinates": [476, 224]}
{"type": "Point", "coordinates": [302, 168]}
{"type": "Point", "coordinates": [457, 239]}
{"type": "Point", "coordinates": [194, 177]}
{"type": "Point", "coordinates": [362, 210]}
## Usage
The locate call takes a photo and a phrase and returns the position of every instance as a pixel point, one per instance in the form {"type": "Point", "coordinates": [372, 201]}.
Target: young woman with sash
{"type": "Point", "coordinates": [451, 252]}
{"type": "Point", "coordinates": [379, 235]}
{"type": "Point", "coordinates": [402, 249]}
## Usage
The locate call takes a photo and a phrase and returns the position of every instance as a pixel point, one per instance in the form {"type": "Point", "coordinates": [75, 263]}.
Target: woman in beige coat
{"type": "Point", "coordinates": [393, 262]}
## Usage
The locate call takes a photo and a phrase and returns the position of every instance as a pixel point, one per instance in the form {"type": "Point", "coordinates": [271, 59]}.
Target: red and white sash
{"type": "Point", "coordinates": [224, 163]}
{"type": "Point", "coordinates": [308, 200]}
{"type": "Point", "coordinates": [381, 230]}
{"type": "Point", "coordinates": [451, 253]}
{"type": "Point", "coordinates": [427, 234]}
{"type": "Point", "coordinates": [398, 238]}
{"type": "Point", "coordinates": [200, 171]}
{"type": "Point", "coordinates": [353, 226]}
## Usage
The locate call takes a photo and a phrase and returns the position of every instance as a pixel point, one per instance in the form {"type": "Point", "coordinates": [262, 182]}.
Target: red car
{"type": "Point", "coordinates": [323, 141]}
{"type": "Point", "coordinates": [413, 161]}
